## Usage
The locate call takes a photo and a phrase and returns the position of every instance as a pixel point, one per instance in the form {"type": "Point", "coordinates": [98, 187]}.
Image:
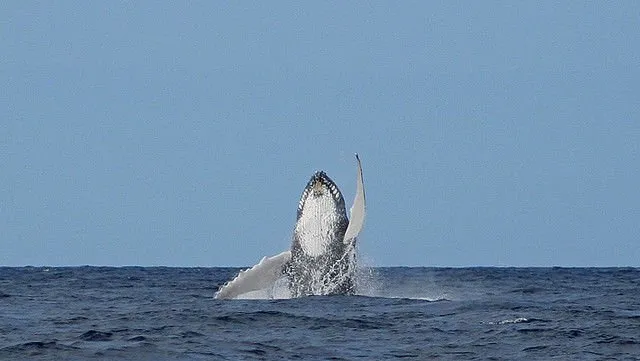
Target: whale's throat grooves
{"type": "Point", "coordinates": [318, 225]}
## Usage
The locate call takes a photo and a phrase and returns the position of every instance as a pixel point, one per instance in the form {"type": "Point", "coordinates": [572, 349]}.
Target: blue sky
{"type": "Point", "coordinates": [165, 133]}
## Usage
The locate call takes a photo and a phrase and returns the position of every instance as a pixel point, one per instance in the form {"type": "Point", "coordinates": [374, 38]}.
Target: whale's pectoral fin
{"type": "Point", "coordinates": [356, 219]}
{"type": "Point", "coordinates": [258, 277]}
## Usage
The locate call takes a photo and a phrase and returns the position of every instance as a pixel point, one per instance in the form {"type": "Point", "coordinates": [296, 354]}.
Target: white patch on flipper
{"type": "Point", "coordinates": [356, 220]}
{"type": "Point", "coordinates": [258, 277]}
{"type": "Point", "coordinates": [316, 226]}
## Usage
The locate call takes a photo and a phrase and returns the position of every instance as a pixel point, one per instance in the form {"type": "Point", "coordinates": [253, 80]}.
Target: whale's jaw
{"type": "Point", "coordinates": [320, 261]}
{"type": "Point", "coordinates": [321, 186]}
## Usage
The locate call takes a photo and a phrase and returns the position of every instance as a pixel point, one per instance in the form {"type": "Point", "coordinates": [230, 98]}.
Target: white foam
{"type": "Point", "coordinates": [506, 322]}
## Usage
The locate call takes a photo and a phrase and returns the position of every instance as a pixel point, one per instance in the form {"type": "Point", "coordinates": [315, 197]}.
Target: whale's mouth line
{"type": "Point", "coordinates": [318, 186]}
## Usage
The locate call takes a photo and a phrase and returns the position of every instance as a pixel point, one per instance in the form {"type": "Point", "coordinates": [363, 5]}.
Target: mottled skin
{"type": "Point", "coordinates": [335, 265]}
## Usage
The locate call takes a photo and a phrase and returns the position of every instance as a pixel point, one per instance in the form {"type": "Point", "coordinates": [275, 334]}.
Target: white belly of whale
{"type": "Point", "coordinates": [315, 228]}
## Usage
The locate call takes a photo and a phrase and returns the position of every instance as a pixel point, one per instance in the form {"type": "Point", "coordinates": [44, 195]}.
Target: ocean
{"type": "Point", "coordinates": [162, 313]}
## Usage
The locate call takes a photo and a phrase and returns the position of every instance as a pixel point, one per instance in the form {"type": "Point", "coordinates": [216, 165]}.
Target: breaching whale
{"type": "Point", "coordinates": [322, 259]}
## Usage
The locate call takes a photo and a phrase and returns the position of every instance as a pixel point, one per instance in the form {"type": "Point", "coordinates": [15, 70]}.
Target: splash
{"type": "Point", "coordinates": [367, 280]}
{"type": "Point", "coordinates": [321, 280]}
{"type": "Point", "coordinates": [376, 282]}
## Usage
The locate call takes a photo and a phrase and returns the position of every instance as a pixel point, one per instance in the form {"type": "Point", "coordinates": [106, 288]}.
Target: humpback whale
{"type": "Point", "coordinates": [322, 258]}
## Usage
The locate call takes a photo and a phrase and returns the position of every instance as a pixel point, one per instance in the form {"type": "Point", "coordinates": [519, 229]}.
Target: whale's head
{"type": "Point", "coordinates": [322, 217]}
{"type": "Point", "coordinates": [321, 195]}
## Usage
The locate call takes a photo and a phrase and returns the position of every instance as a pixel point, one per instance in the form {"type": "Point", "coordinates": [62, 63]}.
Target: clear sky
{"type": "Point", "coordinates": [182, 134]}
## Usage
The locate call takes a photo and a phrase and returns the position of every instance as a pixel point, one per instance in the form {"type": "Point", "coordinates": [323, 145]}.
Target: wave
{"type": "Point", "coordinates": [34, 348]}
{"type": "Point", "coordinates": [93, 335]}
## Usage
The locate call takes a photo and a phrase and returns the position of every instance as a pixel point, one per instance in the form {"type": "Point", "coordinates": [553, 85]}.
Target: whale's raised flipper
{"type": "Point", "coordinates": [357, 211]}
{"type": "Point", "coordinates": [261, 276]}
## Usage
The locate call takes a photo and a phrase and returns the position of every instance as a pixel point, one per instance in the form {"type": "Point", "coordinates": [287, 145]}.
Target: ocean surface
{"type": "Point", "coordinates": [139, 313]}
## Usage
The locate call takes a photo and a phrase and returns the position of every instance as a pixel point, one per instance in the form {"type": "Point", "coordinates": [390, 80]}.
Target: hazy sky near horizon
{"type": "Point", "coordinates": [182, 134]}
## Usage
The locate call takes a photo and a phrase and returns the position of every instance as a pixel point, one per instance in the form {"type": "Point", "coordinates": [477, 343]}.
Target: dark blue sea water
{"type": "Point", "coordinates": [135, 313]}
